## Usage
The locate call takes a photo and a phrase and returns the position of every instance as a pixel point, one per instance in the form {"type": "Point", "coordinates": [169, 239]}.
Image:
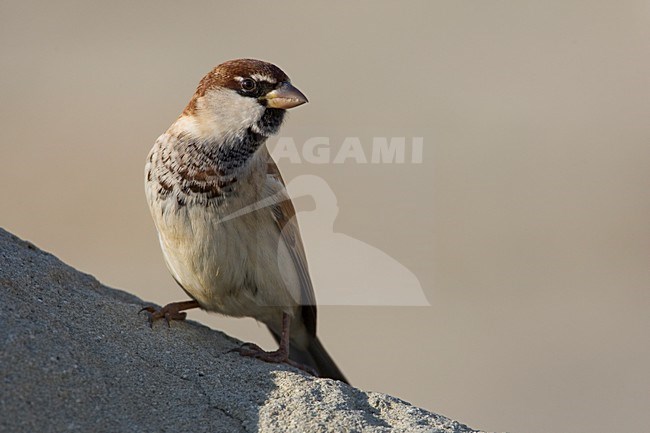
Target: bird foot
{"type": "Point", "coordinates": [169, 312]}
{"type": "Point", "coordinates": [254, 351]}
{"type": "Point", "coordinates": [279, 356]}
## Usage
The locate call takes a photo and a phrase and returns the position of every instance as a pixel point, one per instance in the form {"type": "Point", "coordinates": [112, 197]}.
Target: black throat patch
{"type": "Point", "coordinates": [196, 171]}
{"type": "Point", "coordinates": [231, 156]}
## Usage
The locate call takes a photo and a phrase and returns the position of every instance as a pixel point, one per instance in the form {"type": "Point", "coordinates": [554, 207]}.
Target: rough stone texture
{"type": "Point", "coordinates": [76, 356]}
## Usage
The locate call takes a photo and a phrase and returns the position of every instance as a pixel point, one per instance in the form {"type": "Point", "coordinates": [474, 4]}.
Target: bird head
{"type": "Point", "coordinates": [242, 94]}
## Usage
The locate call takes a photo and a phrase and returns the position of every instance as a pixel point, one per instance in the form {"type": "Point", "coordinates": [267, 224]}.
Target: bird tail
{"type": "Point", "coordinates": [324, 362]}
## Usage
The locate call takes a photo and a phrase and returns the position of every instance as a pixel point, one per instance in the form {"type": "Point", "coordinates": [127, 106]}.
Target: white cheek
{"type": "Point", "coordinates": [224, 112]}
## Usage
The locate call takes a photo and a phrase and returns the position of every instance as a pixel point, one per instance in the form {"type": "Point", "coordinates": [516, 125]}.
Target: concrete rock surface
{"type": "Point", "coordinates": [76, 356]}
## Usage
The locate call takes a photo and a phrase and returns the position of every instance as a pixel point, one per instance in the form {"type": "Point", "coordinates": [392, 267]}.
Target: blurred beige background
{"type": "Point", "coordinates": [528, 222]}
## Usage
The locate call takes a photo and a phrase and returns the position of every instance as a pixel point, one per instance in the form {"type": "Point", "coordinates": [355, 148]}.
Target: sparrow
{"type": "Point", "coordinates": [225, 222]}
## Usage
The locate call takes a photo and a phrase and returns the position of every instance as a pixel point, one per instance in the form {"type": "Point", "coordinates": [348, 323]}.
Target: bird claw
{"type": "Point", "coordinates": [279, 356]}
{"type": "Point", "coordinates": [169, 312]}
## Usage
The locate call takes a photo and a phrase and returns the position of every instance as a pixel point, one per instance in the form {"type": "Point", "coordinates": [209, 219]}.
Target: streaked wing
{"type": "Point", "coordinates": [284, 215]}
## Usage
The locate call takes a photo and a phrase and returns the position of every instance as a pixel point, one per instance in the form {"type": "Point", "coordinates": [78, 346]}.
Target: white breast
{"type": "Point", "coordinates": [236, 267]}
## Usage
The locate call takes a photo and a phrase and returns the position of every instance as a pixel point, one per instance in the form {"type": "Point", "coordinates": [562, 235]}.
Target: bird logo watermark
{"type": "Point", "coordinates": [365, 275]}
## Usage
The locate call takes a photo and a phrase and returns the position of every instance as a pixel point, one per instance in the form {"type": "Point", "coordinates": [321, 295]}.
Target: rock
{"type": "Point", "coordinates": [76, 356]}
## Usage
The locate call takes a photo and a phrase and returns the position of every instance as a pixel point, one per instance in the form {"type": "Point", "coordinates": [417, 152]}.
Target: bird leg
{"type": "Point", "coordinates": [280, 356]}
{"type": "Point", "coordinates": [170, 311]}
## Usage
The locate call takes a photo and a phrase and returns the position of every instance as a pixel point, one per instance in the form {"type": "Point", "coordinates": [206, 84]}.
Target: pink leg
{"type": "Point", "coordinates": [280, 356]}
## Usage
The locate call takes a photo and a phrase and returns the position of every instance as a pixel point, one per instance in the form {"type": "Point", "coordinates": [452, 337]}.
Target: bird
{"type": "Point", "coordinates": [226, 224]}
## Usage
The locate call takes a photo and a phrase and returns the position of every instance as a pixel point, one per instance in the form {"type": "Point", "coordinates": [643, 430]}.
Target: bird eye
{"type": "Point", "coordinates": [248, 84]}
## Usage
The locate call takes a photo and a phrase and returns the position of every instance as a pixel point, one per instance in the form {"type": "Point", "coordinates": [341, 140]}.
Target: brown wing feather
{"type": "Point", "coordinates": [284, 215]}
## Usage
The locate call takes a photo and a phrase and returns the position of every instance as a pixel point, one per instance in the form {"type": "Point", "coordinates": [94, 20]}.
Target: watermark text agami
{"type": "Point", "coordinates": [322, 150]}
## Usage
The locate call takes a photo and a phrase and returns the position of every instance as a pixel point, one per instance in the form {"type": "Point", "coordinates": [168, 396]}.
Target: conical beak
{"type": "Point", "coordinates": [285, 96]}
